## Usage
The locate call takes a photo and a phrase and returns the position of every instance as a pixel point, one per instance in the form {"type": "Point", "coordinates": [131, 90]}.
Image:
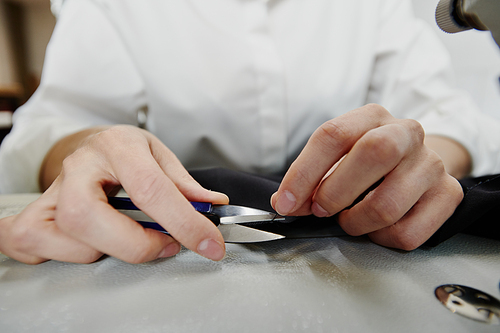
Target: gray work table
{"type": "Point", "coordinates": [342, 284]}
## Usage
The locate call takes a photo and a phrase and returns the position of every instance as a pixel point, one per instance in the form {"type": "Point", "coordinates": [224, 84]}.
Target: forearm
{"type": "Point", "coordinates": [456, 158]}
{"type": "Point", "coordinates": [52, 163]}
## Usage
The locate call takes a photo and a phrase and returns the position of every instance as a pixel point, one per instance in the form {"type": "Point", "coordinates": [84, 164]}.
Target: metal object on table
{"type": "Point", "coordinates": [469, 302]}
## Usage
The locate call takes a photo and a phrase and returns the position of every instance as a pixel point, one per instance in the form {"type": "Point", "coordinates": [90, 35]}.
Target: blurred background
{"type": "Point", "coordinates": [26, 27]}
{"type": "Point", "coordinates": [25, 30]}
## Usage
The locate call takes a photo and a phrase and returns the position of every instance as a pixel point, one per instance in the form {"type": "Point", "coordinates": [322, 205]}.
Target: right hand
{"type": "Point", "coordinates": [73, 222]}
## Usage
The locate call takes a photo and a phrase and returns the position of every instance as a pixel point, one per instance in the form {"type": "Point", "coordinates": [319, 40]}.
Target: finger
{"type": "Point", "coordinates": [85, 215]}
{"type": "Point", "coordinates": [188, 186]}
{"type": "Point", "coordinates": [391, 200]}
{"type": "Point", "coordinates": [425, 218]}
{"type": "Point", "coordinates": [167, 206]}
{"type": "Point", "coordinates": [327, 145]}
{"type": "Point", "coordinates": [158, 194]}
{"type": "Point", "coordinates": [103, 228]}
{"type": "Point", "coordinates": [32, 237]}
{"type": "Point", "coordinates": [13, 246]}
{"type": "Point", "coordinates": [131, 163]}
{"type": "Point", "coordinates": [305, 209]}
{"type": "Point", "coordinates": [373, 156]}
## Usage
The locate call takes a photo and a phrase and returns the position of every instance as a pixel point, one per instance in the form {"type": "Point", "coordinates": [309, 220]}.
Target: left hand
{"type": "Point", "coordinates": [347, 155]}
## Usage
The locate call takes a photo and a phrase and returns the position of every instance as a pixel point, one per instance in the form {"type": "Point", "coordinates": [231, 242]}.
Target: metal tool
{"type": "Point", "coordinates": [470, 303]}
{"type": "Point", "coordinates": [226, 217]}
{"type": "Point", "coordinates": [459, 15]}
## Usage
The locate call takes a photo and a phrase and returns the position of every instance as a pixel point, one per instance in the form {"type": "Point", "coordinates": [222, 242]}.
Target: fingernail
{"type": "Point", "coordinates": [170, 250]}
{"type": "Point", "coordinates": [286, 202]}
{"type": "Point", "coordinates": [318, 210]}
{"type": "Point", "coordinates": [211, 249]}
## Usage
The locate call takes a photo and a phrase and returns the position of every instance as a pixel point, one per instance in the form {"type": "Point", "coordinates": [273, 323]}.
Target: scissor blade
{"type": "Point", "coordinates": [234, 233]}
{"type": "Point", "coordinates": [227, 214]}
{"type": "Point", "coordinates": [267, 217]}
{"type": "Point", "coordinates": [230, 214]}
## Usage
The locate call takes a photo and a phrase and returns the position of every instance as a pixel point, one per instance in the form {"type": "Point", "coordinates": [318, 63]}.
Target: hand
{"type": "Point", "coordinates": [347, 155]}
{"type": "Point", "coordinates": [72, 220]}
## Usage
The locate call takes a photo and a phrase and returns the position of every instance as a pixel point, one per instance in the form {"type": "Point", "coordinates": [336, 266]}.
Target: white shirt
{"type": "Point", "coordinates": [238, 83]}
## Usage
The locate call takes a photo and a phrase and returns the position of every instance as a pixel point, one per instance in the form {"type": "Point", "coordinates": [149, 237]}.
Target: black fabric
{"type": "Point", "coordinates": [478, 214]}
{"type": "Point", "coordinates": [255, 191]}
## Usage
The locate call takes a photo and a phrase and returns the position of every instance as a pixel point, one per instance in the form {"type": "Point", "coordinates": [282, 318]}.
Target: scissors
{"type": "Point", "coordinates": [226, 217]}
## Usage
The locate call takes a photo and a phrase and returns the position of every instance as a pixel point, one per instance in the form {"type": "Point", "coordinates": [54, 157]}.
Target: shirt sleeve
{"type": "Point", "coordinates": [413, 78]}
{"type": "Point", "coordinates": [88, 79]}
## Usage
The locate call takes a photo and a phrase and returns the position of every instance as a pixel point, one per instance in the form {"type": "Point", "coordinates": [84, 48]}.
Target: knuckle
{"type": "Point", "coordinates": [300, 175]}
{"type": "Point", "coordinates": [331, 201]}
{"type": "Point", "coordinates": [196, 225]}
{"type": "Point", "coordinates": [141, 253]}
{"type": "Point", "coordinates": [332, 133]}
{"type": "Point", "coordinates": [458, 192]}
{"type": "Point", "coordinates": [109, 140]}
{"type": "Point", "coordinates": [415, 128]}
{"type": "Point", "coordinates": [147, 189]}
{"type": "Point", "coordinates": [72, 218]}
{"type": "Point", "coordinates": [405, 240]}
{"type": "Point", "coordinates": [350, 226]}
{"type": "Point", "coordinates": [24, 238]}
{"type": "Point", "coordinates": [381, 147]}
{"type": "Point", "coordinates": [76, 162]}
{"type": "Point", "coordinates": [453, 191]}
{"type": "Point", "coordinates": [377, 110]}
{"type": "Point", "coordinates": [435, 169]}
{"type": "Point", "coordinates": [71, 161]}
{"type": "Point", "coordinates": [111, 133]}
{"type": "Point", "coordinates": [110, 137]}
{"type": "Point", "coordinates": [436, 163]}
{"type": "Point", "coordinates": [383, 210]}
{"type": "Point", "coordinates": [89, 257]}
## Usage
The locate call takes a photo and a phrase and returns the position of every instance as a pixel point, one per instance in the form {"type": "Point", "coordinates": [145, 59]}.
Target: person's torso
{"type": "Point", "coordinates": [243, 84]}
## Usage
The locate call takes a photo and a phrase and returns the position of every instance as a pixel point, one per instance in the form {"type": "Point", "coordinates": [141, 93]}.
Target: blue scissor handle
{"type": "Point", "coordinates": [126, 204]}
{"type": "Point", "coordinates": [202, 207]}
{"type": "Point", "coordinates": [122, 203]}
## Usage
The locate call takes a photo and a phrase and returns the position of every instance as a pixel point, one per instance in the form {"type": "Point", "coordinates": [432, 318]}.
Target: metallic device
{"type": "Point", "coordinates": [226, 217]}
{"type": "Point", "coordinates": [459, 15]}
{"type": "Point", "coordinates": [470, 303]}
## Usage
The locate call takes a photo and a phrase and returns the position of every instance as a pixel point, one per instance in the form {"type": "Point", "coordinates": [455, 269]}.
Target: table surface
{"type": "Point", "coordinates": [344, 284]}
